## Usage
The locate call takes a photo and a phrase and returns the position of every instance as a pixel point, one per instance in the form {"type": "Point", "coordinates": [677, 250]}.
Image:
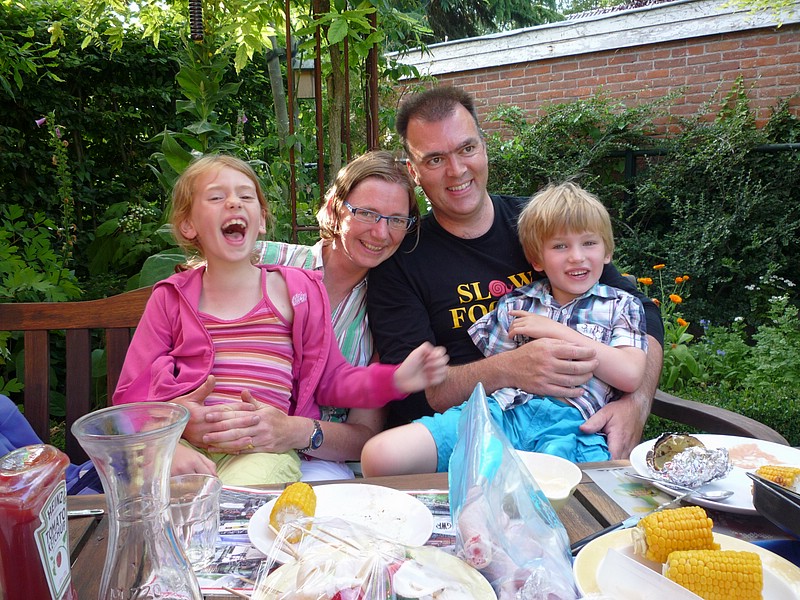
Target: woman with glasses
{"type": "Point", "coordinates": [367, 212]}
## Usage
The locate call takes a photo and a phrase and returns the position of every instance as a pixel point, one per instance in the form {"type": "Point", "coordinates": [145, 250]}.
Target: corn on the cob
{"type": "Point", "coordinates": [788, 477]}
{"type": "Point", "coordinates": [295, 502]}
{"type": "Point", "coordinates": [717, 574]}
{"type": "Point", "coordinates": [685, 528]}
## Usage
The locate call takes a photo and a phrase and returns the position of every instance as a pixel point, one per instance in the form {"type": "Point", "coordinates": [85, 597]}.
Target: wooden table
{"type": "Point", "coordinates": [589, 510]}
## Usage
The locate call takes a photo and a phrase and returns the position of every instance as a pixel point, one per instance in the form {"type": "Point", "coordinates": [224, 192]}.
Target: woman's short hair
{"type": "Point", "coordinates": [183, 192]}
{"type": "Point", "coordinates": [376, 163]}
{"type": "Point", "coordinates": [558, 208]}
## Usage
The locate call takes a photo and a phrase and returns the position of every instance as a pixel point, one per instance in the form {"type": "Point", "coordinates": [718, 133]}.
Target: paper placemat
{"type": "Point", "coordinates": [638, 497]}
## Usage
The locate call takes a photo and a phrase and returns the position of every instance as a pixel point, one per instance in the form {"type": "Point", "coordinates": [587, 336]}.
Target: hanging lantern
{"type": "Point", "coordinates": [196, 20]}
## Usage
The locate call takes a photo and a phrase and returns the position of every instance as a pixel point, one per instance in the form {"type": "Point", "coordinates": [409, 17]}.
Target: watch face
{"type": "Point", "coordinates": [316, 438]}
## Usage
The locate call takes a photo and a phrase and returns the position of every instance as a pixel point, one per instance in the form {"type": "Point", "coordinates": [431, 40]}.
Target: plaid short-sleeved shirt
{"type": "Point", "coordinates": [603, 313]}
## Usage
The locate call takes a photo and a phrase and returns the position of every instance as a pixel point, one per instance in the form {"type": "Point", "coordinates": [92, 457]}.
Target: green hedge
{"type": "Point", "coordinates": [710, 204]}
{"type": "Point", "coordinates": [779, 409]}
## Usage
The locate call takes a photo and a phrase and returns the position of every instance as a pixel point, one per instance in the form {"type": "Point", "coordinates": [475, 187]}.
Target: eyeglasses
{"type": "Point", "coordinates": [370, 216]}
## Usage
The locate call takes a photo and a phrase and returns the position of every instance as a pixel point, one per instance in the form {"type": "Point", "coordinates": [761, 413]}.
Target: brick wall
{"type": "Point", "coordinates": [768, 59]}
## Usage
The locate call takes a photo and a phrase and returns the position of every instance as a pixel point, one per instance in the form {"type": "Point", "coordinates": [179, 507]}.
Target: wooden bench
{"type": "Point", "coordinates": [712, 419]}
{"type": "Point", "coordinates": [117, 315]}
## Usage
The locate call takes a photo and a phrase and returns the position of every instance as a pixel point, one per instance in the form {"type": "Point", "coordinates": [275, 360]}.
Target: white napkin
{"type": "Point", "coordinates": [624, 578]}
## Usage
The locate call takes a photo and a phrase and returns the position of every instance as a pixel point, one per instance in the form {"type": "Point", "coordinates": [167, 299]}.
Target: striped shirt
{"type": "Point", "coordinates": [604, 314]}
{"type": "Point", "coordinates": [349, 318]}
{"type": "Point", "coordinates": [252, 352]}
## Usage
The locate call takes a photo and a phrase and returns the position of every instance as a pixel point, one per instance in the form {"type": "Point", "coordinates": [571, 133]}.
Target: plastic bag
{"type": "Point", "coordinates": [341, 560]}
{"type": "Point", "coordinates": [505, 526]}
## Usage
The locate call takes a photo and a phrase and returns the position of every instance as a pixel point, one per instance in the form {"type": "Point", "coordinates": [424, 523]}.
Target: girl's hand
{"type": "Point", "coordinates": [425, 366]}
{"type": "Point", "coordinates": [187, 460]}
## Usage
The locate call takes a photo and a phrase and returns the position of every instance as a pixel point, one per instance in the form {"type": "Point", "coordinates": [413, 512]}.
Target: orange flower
{"type": "Point", "coordinates": [679, 280]}
{"type": "Point", "coordinates": [675, 298]}
{"type": "Point", "coordinates": [656, 301]}
{"type": "Point", "coordinates": [686, 278]}
{"type": "Point", "coordinates": [659, 267]}
{"type": "Point", "coordinates": [645, 280]}
{"type": "Point", "coordinates": [682, 323]}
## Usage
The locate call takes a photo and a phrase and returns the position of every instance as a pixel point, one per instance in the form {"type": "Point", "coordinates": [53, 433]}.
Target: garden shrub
{"type": "Point", "coordinates": [716, 207]}
{"type": "Point", "coordinates": [708, 202]}
{"type": "Point", "coordinates": [776, 407]}
{"type": "Point", "coordinates": [581, 140]}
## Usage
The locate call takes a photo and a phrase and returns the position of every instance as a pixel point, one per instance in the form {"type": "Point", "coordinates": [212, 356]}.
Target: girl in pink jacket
{"type": "Point", "coordinates": [263, 332]}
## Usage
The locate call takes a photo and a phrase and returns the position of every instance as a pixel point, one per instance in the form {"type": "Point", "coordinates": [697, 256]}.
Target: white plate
{"type": "Point", "coordinates": [394, 515]}
{"type": "Point", "coordinates": [781, 578]}
{"type": "Point", "coordinates": [747, 454]}
{"type": "Point", "coordinates": [474, 585]}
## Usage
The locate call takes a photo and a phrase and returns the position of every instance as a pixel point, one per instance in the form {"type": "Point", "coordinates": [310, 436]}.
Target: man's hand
{"type": "Point", "coordinates": [545, 367]}
{"type": "Point", "coordinates": [622, 421]}
{"type": "Point", "coordinates": [186, 461]}
{"type": "Point", "coordinates": [549, 367]}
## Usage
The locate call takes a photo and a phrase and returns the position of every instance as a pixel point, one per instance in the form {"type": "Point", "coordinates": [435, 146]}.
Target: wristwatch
{"type": "Point", "coordinates": [315, 440]}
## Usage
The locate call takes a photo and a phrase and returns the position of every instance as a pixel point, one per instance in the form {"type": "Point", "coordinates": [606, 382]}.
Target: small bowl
{"type": "Point", "coordinates": [557, 476]}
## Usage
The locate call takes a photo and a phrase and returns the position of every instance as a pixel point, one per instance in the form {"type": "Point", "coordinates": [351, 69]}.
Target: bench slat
{"type": "Point", "coordinates": [114, 316]}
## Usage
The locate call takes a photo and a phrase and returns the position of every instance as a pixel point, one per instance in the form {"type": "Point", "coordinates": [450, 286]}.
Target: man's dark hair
{"type": "Point", "coordinates": [432, 106]}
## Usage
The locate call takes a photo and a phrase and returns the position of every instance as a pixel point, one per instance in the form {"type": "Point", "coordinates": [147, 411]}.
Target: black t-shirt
{"type": "Point", "coordinates": [436, 290]}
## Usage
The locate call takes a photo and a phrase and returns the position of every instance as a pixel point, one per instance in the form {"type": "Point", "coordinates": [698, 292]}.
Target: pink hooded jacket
{"type": "Point", "coordinates": [171, 352]}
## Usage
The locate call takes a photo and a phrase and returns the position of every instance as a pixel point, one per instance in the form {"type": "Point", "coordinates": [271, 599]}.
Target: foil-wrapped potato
{"type": "Point", "coordinates": [683, 459]}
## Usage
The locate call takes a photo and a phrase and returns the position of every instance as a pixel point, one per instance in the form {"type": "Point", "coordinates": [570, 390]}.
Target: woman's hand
{"type": "Point", "coordinates": [205, 420]}
{"type": "Point", "coordinates": [269, 430]}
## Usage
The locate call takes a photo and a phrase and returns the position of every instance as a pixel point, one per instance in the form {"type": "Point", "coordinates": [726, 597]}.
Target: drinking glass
{"type": "Point", "coordinates": [194, 503]}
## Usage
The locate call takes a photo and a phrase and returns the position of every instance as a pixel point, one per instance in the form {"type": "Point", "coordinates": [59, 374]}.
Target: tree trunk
{"type": "Point", "coordinates": [337, 111]}
{"type": "Point", "coordinates": [278, 92]}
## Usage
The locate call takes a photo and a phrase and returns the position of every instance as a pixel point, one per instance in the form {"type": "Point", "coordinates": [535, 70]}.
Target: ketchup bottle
{"type": "Point", "coordinates": [34, 536]}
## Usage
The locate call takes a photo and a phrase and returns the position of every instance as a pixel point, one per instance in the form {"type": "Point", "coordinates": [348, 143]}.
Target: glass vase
{"type": "Point", "coordinates": [131, 446]}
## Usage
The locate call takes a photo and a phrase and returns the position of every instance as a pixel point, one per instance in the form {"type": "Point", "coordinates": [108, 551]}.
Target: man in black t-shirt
{"type": "Point", "coordinates": [466, 257]}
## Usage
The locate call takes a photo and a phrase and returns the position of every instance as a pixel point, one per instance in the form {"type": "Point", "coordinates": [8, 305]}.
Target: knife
{"type": "Point", "coordinates": [626, 524]}
{"type": "Point", "coordinates": [87, 512]}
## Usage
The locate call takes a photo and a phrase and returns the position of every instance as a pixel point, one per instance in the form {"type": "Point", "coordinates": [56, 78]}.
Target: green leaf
{"type": "Point", "coordinates": [176, 156]}
{"type": "Point", "coordinates": [242, 56]}
{"type": "Point", "coordinates": [108, 227]}
{"type": "Point", "coordinates": [165, 233]}
{"type": "Point", "coordinates": [338, 31]}
{"type": "Point", "coordinates": [160, 266]}
{"type": "Point", "coordinates": [99, 363]}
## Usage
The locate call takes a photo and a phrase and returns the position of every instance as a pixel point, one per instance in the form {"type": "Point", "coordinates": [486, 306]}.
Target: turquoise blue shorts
{"type": "Point", "coordinates": [540, 425]}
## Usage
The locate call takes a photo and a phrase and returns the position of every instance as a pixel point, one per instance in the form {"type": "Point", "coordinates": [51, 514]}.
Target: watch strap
{"type": "Point", "coordinates": [317, 430]}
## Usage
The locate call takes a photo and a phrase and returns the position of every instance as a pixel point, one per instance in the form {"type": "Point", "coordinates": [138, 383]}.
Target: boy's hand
{"type": "Point", "coordinates": [534, 326]}
{"type": "Point", "coordinates": [425, 366]}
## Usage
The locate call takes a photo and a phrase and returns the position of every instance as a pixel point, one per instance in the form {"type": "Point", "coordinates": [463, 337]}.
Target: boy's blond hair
{"type": "Point", "coordinates": [558, 208]}
{"type": "Point", "coordinates": [183, 192]}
